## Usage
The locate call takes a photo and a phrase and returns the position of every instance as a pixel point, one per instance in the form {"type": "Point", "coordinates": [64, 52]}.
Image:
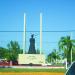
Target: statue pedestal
{"type": "Point", "coordinates": [31, 59]}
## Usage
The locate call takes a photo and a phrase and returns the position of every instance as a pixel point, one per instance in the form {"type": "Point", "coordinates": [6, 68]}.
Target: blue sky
{"type": "Point", "coordinates": [58, 15]}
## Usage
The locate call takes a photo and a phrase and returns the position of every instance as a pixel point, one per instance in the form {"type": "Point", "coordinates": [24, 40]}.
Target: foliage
{"type": "Point", "coordinates": [3, 53]}
{"type": "Point", "coordinates": [73, 53]}
{"type": "Point", "coordinates": [66, 44]}
{"type": "Point", "coordinates": [53, 56]}
{"type": "Point", "coordinates": [14, 50]}
{"type": "Point", "coordinates": [37, 51]}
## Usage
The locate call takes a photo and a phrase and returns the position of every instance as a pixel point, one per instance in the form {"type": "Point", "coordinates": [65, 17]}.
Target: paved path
{"type": "Point", "coordinates": [37, 67]}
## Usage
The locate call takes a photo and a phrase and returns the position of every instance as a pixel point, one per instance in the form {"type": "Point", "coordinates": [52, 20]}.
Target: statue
{"type": "Point", "coordinates": [32, 45]}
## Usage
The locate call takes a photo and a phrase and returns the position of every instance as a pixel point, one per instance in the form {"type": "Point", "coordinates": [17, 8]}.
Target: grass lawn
{"type": "Point", "coordinates": [31, 70]}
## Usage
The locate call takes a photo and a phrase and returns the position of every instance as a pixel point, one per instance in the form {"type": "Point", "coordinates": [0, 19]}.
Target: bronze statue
{"type": "Point", "coordinates": [32, 45]}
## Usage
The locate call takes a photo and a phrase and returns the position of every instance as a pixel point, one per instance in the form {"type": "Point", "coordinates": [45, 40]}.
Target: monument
{"type": "Point", "coordinates": [32, 45]}
{"type": "Point", "coordinates": [32, 57]}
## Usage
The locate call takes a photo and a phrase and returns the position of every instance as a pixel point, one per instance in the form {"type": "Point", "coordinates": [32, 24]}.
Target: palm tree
{"type": "Point", "coordinates": [66, 44]}
{"type": "Point", "coordinates": [53, 56]}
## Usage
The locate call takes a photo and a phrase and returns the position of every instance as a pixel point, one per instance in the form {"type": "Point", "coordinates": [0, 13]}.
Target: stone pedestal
{"type": "Point", "coordinates": [31, 59]}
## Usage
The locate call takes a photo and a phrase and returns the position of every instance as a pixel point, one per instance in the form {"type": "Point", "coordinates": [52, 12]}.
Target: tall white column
{"type": "Point", "coordinates": [24, 35]}
{"type": "Point", "coordinates": [40, 33]}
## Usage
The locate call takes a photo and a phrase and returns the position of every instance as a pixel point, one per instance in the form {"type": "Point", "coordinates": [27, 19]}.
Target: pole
{"type": "Point", "coordinates": [66, 63]}
{"type": "Point", "coordinates": [71, 49]}
{"type": "Point", "coordinates": [24, 35]}
{"type": "Point", "coordinates": [40, 33]}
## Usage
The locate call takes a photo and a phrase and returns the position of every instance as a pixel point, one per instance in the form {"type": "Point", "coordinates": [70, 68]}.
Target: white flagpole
{"type": "Point", "coordinates": [24, 35]}
{"type": "Point", "coordinates": [40, 33]}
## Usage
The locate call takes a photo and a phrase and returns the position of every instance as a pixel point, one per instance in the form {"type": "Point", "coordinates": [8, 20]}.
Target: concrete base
{"type": "Point", "coordinates": [31, 59]}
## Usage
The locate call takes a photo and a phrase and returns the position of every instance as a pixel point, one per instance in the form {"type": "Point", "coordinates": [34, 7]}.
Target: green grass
{"type": "Point", "coordinates": [58, 65]}
{"type": "Point", "coordinates": [31, 70]}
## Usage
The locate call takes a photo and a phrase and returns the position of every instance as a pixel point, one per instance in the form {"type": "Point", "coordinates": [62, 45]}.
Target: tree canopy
{"type": "Point", "coordinates": [66, 44]}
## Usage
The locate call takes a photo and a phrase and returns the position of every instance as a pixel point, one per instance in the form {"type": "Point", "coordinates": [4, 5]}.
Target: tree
{"type": "Point", "coordinates": [73, 53]}
{"type": "Point", "coordinates": [53, 56]}
{"type": "Point", "coordinates": [66, 44]}
{"type": "Point", "coordinates": [14, 50]}
{"type": "Point", "coordinates": [3, 53]}
{"type": "Point", "coordinates": [37, 51]}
